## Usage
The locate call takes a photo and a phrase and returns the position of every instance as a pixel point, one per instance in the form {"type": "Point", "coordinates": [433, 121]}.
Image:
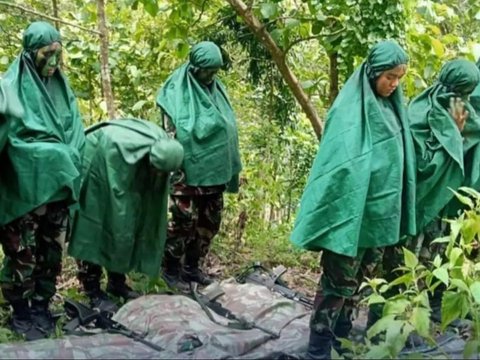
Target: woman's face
{"type": "Point", "coordinates": [206, 76]}
{"type": "Point", "coordinates": [389, 80]}
{"type": "Point", "coordinates": [47, 59]}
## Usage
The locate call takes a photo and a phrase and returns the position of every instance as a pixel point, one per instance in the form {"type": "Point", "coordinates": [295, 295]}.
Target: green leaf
{"type": "Point", "coordinates": [382, 325]}
{"type": "Point", "coordinates": [471, 347]}
{"type": "Point", "coordinates": [395, 307]}
{"type": "Point", "coordinates": [291, 23]}
{"type": "Point", "coordinates": [307, 84]}
{"type": "Point", "coordinates": [410, 259]}
{"type": "Point", "coordinates": [437, 262]}
{"type": "Point", "coordinates": [150, 6]}
{"type": "Point", "coordinates": [475, 289]}
{"type": "Point", "coordinates": [268, 10]}
{"type": "Point", "coordinates": [441, 274]}
{"type": "Point", "coordinates": [463, 199]}
{"type": "Point", "coordinates": [441, 240]}
{"type": "Point", "coordinates": [139, 105]}
{"type": "Point", "coordinates": [375, 299]}
{"type": "Point", "coordinates": [438, 47]}
{"type": "Point", "coordinates": [454, 255]}
{"type": "Point", "coordinates": [470, 191]}
{"type": "Point", "coordinates": [420, 320]}
{"type": "Point", "coordinates": [460, 284]}
{"type": "Point", "coordinates": [452, 304]}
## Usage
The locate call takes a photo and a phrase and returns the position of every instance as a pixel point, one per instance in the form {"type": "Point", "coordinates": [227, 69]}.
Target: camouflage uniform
{"type": "Point", "coordinates": [33, 246]}
{"type": "Point", "coordinates": [337, 292]}
{"type": "Point", "coordinates": [196, 216]}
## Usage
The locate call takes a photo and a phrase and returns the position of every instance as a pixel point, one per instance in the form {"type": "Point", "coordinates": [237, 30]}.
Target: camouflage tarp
{"type": "Point", "coordinates": [180, 326]}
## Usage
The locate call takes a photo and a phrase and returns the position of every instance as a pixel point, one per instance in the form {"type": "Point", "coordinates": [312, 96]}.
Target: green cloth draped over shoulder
{"type": "Point", "coordinates": [121, 223]}
{"type": "Point", "coordinates": [361, 188]}
{"type": "Point", "coordinates": [41, 162]}
{"type": "Point", "coordinates": [444, 159]}
{"type": "Point", "coordinates": [204, 121]}
{"type": "Point", "coordinates": [10, 107]}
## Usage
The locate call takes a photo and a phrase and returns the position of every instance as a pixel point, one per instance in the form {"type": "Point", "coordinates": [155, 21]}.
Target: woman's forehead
{"type": "Point", "coordinates": [52, 47]}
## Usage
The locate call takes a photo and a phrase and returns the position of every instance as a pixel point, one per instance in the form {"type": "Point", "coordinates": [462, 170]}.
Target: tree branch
{"type": "Point", "coordinates": [52, 18]}
{"type": "Point", "coordinates": [278, 56]}
{"type": "Point", "coordinates": [201, 13]}
{"type": "Point", "coordinates": [299, 40]}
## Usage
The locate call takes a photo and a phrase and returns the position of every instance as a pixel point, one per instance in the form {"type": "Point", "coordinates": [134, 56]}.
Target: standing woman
{"type": "Point", "coordinates": [197, 112]}
{"type": "Point", "coordinates": [359, 196]}
{"type": "Point", "coordinates": [40, 178]}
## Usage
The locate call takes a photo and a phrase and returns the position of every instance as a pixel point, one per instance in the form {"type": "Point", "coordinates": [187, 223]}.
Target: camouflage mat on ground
{"type": "Point", "coordinates": [179, 325]}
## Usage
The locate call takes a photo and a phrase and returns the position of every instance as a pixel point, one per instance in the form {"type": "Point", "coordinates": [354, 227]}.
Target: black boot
{"type": "Point", "coordinates": [171, 274]}
{"type": "Point", "coordinates": [193, 273]}
{"type": "Point", "coordinates": [117, 286]}
{"type": "Point", "coordinates": [319, 345]}
{"type": "Point", "coordinates": [21, 322]}
{"type": "Point", "coordinates": [101, 301]}
{"type": "Point", "coordinates": [42, 317]}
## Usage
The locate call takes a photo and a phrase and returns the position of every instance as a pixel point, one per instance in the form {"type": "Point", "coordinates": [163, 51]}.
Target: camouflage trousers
{"type": "Point", "coordinates": [195, 221]}
{"type": "Point", "coordinates": [337, 294]}
{"type": "Point", "coordinates": [33, 247]}
{"type": "Point", "coordinates": [89, 275]}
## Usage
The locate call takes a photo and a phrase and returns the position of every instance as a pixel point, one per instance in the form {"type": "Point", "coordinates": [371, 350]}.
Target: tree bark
{"type": "Point", "coordinates": [55, 13]}
{"type": "Point", "coordinates": [278, 57]}
{"type": "Point", "coordinates": [104, 67]}
{"type": "Point", "coordinates": [333, 76]}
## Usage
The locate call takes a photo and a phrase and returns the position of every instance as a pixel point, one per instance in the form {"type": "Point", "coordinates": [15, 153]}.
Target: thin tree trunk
{"type": "Point", "coordinates": [55, 13]}
{"type": "Point", "coordinates": [333, 76]}
{"type": "Point", "coordinates": [278, 57]}
{"type": "Point", "coordinates": [105, 68]}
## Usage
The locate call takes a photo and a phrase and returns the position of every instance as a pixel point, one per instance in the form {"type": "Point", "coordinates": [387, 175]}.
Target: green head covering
{"type": "Point", "coordinates": [39, 34]}
{"type": "Point", "coordinates": [459, 76]}
{"type": "Point", "coordinates": [445, 157]}
{"type": "Point", "coordinates": [360, 192]}
{"type": "Point", "coordinates": [384, 56]}
{"type": "Point", "coordinates": [204, 120]}
{"type": "Point", "coordinates": [44, 145]}
{"type": "Point", "coordinates": [206, 55]}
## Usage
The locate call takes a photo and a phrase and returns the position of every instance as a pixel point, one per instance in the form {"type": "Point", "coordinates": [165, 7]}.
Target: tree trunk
{"type": "Point", "coordinates": [333, 76]}
{"type": "Point", "coordinates": [278, 57]}
{"type": "Point", "coordinates": [55, 13]}
{"type": "Point", "coordinates": [105, 68]}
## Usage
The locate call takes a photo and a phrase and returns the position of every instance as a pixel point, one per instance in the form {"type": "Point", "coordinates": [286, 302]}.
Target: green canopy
{"type": "Point", "coordinates": [122, 220]}
{"type": "Point", "coordinates": [204, 121]}
{"type": "Point", "coordinates": [42, 158]}
{"type": "Point", "coordinates": [360, 192]}
{"type": "Point", "coordinates": [445, 157]}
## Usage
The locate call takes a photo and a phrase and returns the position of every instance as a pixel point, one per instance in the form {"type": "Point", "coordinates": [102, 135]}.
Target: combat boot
{"type": "Point", "coordinates": [21, 322]}
{"type": "Point", "coordinates": [42, 317]}
{"type": "Point", "coordinates": [101, 301]}
{"type": "Point", "coordinates": [319, 345]}
{"type": "Point", "coordinates": [172, 277]}
{"type": "Point", "coordinates": [194, 273]}
{"type": "Point", "coordinates": [117, 286]}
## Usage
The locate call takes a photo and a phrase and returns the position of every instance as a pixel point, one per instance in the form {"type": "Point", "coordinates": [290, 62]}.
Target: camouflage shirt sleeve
{"type": "Point", "coordinates": [168, 125]}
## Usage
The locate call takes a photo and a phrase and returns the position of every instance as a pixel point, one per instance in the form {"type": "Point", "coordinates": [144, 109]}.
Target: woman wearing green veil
{"type": "Point", "coordinates": [40, 178]}
{"type": "Point", "coordinates": [197, 112]}
{"type": "Point", "coordinates": [359, 197]}
{"type": "Point", "coordinates": [446, 134]}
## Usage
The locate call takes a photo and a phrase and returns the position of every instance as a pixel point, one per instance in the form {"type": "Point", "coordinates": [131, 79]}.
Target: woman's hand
{"type": "Point", "coordinates": [458, 112]}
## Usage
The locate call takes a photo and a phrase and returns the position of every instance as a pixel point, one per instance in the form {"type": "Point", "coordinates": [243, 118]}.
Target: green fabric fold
{"type": "Point", "coordinates": [41, 161]}
{"type": "Point", "coordinates": [361, 188]}
{"type": "Point", "coordinates": [445, 157]}
{"type": "Point", "coordinates": [121, 223]}
{"type": "Point", "coordinates": [204, 121]}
